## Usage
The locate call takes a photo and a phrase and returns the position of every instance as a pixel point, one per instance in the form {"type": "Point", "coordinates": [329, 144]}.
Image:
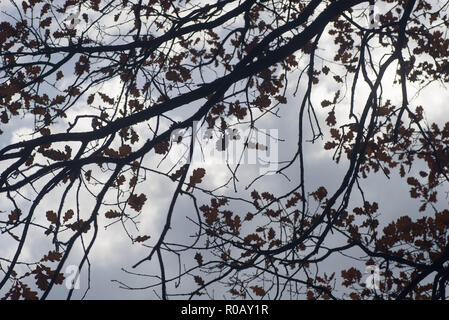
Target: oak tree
{"type": "Point", "coordinates": [110, 90]}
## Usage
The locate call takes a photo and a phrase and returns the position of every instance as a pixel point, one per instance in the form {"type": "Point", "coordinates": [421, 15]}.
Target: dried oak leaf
{"type": "Point", "coordinates": [59, 75]}
{"type": "Point", "coordinates": [30, 161]}
{"type": "Point", "coordinates": [44, 274]}
{"type": "Point", "coordinates": [68, 215]}
{"type": "Point", "coordinates": [199, 258]}
{"type": "Point", "coordinates": [320, 193]}
{"type": "Point", "coordinates": [4, 117]}
{"type": "Point", "coordinates": [142, 238]}
{"type": "Point", "coordinates": [14, 216]}
{"type": "Point", "coordinates": [111, 214]}
{"type": "Point", "coordinates": [271, 234]}
{"type": "Point", "coordinates": [162, 147]}
{"type": "Point", "coordinates": [124, 150]}
{"type": "Point", "coordinates": [354, 296]}
{"type": "Point", "coordinates": [178, 173]}
{"type": "Point", "coordinates": [199, 280]}
{"type": "Point", "coordinates": [331, 120]}
{"type": "Point", "coordinates": [79, 225]}
{"type": "Point", "coordinates": [172, 76]}
{"type": "Point", "coordinates": [91, 98]}
{"type": "Point", "coordinates": [52, 217]}
{"type": "Point", "coordinates": [52, 256]}
{"type": "Point", "coordinates": [351, 276]}
{"type": "Point", "coordinates": [41, 277]}
{"type": "Point", "coordinates": [27, 293]}
{"type": "Point", "coordinates": [196, 177]}
{"type": "Point", "coordinates": [259, 291]}
{"type": "Point", "coordinates": [13, 293]}
{"type": "Point", "coordinates": [137, 202]}
{"type": "Point", "coordinates": [45, 132]}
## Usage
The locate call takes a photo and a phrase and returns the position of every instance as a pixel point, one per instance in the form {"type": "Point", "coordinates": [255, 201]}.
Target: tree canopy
{"type": "Point", "coordinates": [104, 104]}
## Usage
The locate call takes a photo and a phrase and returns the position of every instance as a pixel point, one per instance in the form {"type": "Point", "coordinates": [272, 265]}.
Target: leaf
{"type": "Point", "coordinates": [52, 256]}
{"type": "Point", "coordinates": [325, 103]}
{"type": "Point", "coordinates": [199, 280]}
{"type": "Point", "coordinates": [310, 295]}
{"type": "Point", "coordinates": [57, 155]}
{"type": "Point", "coordinates": [162, 147]}
{"type": "Point", "coordinates": [249, 216]}
{"type": "Point", "coordinates": [142, 238]}
{"type": "Point", "coordinates": [330, 145]}
{"type": "Point", "coordinates": [255, 195]}
{"type": "Point", "coordinates": [4, 117]}
{"type": "Point", "coordinates": [124, 150]}
{"type": "Point", "coordinates": [59, 75]}
{"type": "Point", "coordinates": [121, 180]}
{"type": "Point", "coordinates": [83, 65]}
{"type": "Point", "coordinates": [292, 201]}
{"type": "Point", "coordinates": [45, 23]}
{"type": "Point", "coordinates": [402, 171]}
{"type": "Point", "coordinates": [281, 99]}
{"type": "Point", "coordinates": [79, 225]}
{"type": "Point", "coordinates": [44, 274]}
{"type": "Point", "coordinates": [412, 181]}
{"type": "Point", "coordinates": [45, 9]}
{"type": "Point", "coordinates": [133, 181]}
{"type": "Point", "coordinates": [106, 98]}
{"type": "Point", "coordinates": [271, 234]}
{"type": "Point", "coordinates": [30, 161]}
{"type": "Point", "coordinates": [262, 102]}
{"type": "Point", "coordinates": [49, 230]}
{"type": "Point", "coordinates": [68, 215]}
{"type": "Point", "coordinates": [211, 214]}
{"type": "Point", "coordinates": [351, 276]}
{"type": "Point", "coordinates": [137, 202]}
{"type": "Point", "coordinates": [90, 99]}
{"type": "Point", "coordinates": [134, 137]}
{"type": "Point", "coordinates": [335, 134]}
{"type": "Point", "coordinates": [196, 177]}
{"type": "Point", "coordinates": [338, 79]}
{"type": "Point", "coordinates": [41, 278]}
{"type": "Point", "coordinates": [354, 296]}
{"type": "Point", "coordinates": [111, 153]}
{"type": "Point", "coordinates": [236, 110]}
{"type": "Point", "coordinates": [14, 293]}
{"type": "Point", "coordinates": [45, 132]}
{"type": "Point", "coordinates": [252, 237]}
{"type": "Point", "coordinates": [234, 292]}
{"type": "Point", "coordinates": [199, 258]}
{"type": "Point", "coordinates": [172, 76]}
{"type": "Point", "coordinates": [111, 214]}
{"type": "Point", "coordinates": [259, 291]}
{"type": "Point", "coordinates": [320, 194]}
{"type": "Point", "coordinates": [52, 217]}
{"type": "Point", "coordinates": [88, 175]}
{"type": "Point", "coordinates": [27, 293]}
{"type": "Point", "coordinates": [14, 216]}
{"type": "Point", "coordinates": [178, 173]}
{"type": "Point", "coordinates": [331, 120]}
